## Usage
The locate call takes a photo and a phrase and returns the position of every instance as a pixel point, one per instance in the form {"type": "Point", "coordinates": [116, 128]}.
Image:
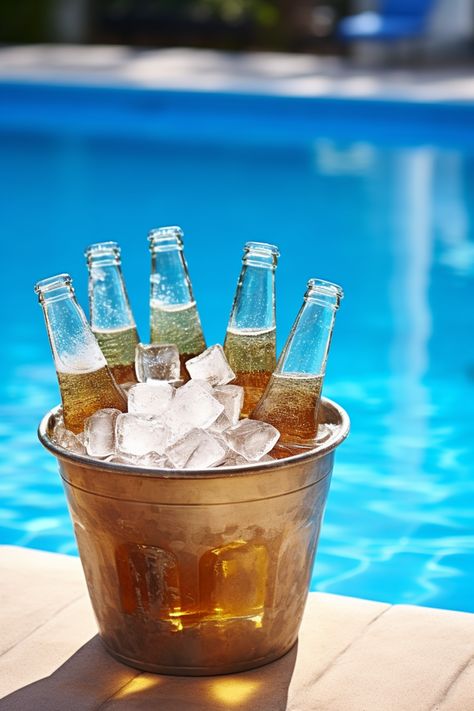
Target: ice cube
{"type": "Point", "coordinates": [251, 438]}
{"type": "Point", "coordinates": [99, 432]}
{"type": "Point", "coordinates": [212, 366]}
{"type": "Point", "coordinates": [174, 383]}
{"type": "Point", "coordinates": [123, 459]}
{"type": "Point", "coordinates": [152, 459]}
{"type": "Point", "coordinates": [155, 460]}
{"type": "Point", "coordinates": [140, 434]}
{"type": "Point", "coordinates": [159, 361]}
{"type": "Point", "coordinates": [220, 425]}
{"type": "Point", "coordinates": [197, 449]}
{"type": "Point", "coordinates": [232, 397]}
{"type": "Point", "coordinates": [67, 439]}
{"type": "Point", "coordinates": [192, 406]}
{"type": "Point", "coordinates": [233, 459]}
{"type": "Point", "coordinates": [150, 398]}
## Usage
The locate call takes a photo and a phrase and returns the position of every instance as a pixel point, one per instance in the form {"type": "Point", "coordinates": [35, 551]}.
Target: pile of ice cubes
{"type": "Point", "coordinates": [169, 424]}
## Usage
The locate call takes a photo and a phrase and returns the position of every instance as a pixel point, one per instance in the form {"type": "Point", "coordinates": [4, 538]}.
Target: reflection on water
{"type": "Point", "coordinates": [393, 224]}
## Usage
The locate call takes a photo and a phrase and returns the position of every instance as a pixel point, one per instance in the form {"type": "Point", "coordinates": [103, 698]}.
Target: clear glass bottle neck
{"type": "Point", "coordinates": [169, 280]}
{"type": "Point", "coordinates": [254, 302]}
{"type": "Point", "coordinates": [74, 346]}
{"type": "Point", "coordinates": [108, 300]}
{"type": "Point", "coordinates": [103, 254]}
{"type": "Point", "coordinates": [307, 346]}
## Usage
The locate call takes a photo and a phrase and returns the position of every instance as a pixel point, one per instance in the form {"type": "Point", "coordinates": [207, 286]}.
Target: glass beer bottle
{"type": "Point", "coordinates": [250, 342]}
{"type": "Point", "coordinates": [85, 381]}
{"type": "Point", "coordinates": [111, 317]}
{"type": "Point", "coordinates": [291, 400]}
{"type": "Point", "coordinates": [174, 316]}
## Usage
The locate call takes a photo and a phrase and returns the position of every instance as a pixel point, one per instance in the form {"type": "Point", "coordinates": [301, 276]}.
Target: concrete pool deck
{"type": "Point", "coordinates": [352, 655]}
{"type": "Point", "coordinates": [210, 70]}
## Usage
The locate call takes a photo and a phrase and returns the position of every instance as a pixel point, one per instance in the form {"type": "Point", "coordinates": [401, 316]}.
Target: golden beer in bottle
{"type": "Point", "coordinates": [250, 342]}
{"type": "Point", "coordinates": [174, 317]}
{"type": "Point", "coordinates": [111, 317]}
{"type": "Point", "coordinates": [292, 398]}
{"type": "Point", "coordinates": [85, 381]}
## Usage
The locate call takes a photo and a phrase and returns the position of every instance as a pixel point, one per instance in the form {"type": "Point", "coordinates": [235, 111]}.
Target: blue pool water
{"type": "Point", "coordinates": [377, 197]}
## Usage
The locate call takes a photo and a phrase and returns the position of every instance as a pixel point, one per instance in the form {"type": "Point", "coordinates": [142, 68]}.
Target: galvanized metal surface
{"type": "Point", "coordinates": [199, 572]}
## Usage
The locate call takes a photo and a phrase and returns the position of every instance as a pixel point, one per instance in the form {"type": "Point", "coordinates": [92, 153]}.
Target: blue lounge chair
{"type": "Point", "coordinates": [395, 20]}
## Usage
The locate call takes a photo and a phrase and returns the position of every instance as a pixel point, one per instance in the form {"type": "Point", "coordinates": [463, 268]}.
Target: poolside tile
{"type": "Point", "coordinates": [460, 694]}
{"type": "Point", "coordinates": [330, 624]}
{"type": "Point", "coordinates": [402, 662]}
{"type": "Point", "coordinates": [46, 648]}
{"type": "Point", "coordinates": [36, 585]}
{"type": "Point", "coordinates": [352, 655]}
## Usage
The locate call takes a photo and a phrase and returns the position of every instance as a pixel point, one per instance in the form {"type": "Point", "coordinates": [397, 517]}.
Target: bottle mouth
{"type": "Point", "coordinates": [325, 292]}
{"type": "Point", "coordinates": [99, 247]}
{"type": "Point", "coordinates": [103, 253]}
{"type": "Point", "coordinates": [261, 254]}
{"type": "Point", "coordinates": [55, 287]}
{"type": "Point", "coordinates": [163, 239]}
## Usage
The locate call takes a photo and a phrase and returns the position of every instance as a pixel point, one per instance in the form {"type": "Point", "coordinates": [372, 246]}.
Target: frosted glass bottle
{"type": "Point", "coordinates": [174, 317]}
{"type": "Point", "coordinates": [292, 398]}
{"type": "Point", "coordinates": [85, 381]}
{"type": "Point", "coordinates": [111, 317]}
{"type": "Point", "coordinates": [250, 342]}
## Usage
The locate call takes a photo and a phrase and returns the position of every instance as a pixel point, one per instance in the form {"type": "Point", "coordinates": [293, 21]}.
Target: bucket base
{"type": "Point", "coordinates": [198, 671]}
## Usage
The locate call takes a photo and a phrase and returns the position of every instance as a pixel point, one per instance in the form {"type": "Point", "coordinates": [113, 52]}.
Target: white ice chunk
{"type": "Point", "coordinates": [159, 361]}
{"type": "Point", "coordinates": [197, 449]}
{"type": "Point", "coordinates": [140, 434]}
{"type": "Point", "coordinates": [232, 397]}
{"type": "Point", "coordinates": [174, 383]}
{"type": "Point", "coordinates": [152, 459]}
{"type": "Point", "coordinates": [67, 439]}
{"type": "Point", "coordinates": [150, 398]}
{"type": "Point", "coordinates": [99, 432]}
{"type": "Point", "coordinates": [252, 438]}
{"type": "Point", "coordinates": [220, 425]}
{"type": "Point", "coordinates": [232, 459]}
{"type": "Point", "coordinates": [121, 458]}
{"type": "Point", "coordinates": [212, 366]}
{"type": "Point", "coordinates": [155, 460]}
{"type": "Point", "coordinates": [192, 406]}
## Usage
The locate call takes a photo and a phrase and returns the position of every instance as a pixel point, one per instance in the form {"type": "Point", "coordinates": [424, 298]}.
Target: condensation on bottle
{"type": "Point", "coordinates": [250, 341]}
{"type": "Point", "coordinates": [292, 398]}
{"type": "Point", "coordinates": [85, 381]}
{"type": "Point", "coordinates": [174, 316]}
{"type": "Point", "coordinates": [111, 316]}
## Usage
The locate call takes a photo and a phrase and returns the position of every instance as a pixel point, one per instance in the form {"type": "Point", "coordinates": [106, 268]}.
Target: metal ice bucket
{"type": "Point", "coordinates": [199, 572]}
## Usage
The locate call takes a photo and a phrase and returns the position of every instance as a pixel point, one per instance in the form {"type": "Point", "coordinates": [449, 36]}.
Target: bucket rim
{"type": "Point", "coordinates": [337, 437]}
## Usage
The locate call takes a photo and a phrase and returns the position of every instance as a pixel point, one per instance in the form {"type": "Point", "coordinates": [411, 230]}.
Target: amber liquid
{"type": "Point", "coordinates": [179, 325]}
{"type": "Point", "coordinates": [118, 347]}
{"type": "Point", "coordinates": [291, 404]}
{"type": "Point", "coordinates": [252, 357]}
{"type": "Point", "coordinates": [83, 394]}
{"type": "Point", "coordinates": [232, 582]}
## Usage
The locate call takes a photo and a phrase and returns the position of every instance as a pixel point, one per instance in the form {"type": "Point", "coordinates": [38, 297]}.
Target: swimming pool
{"type": "Point", "coordinates": [374, 196]}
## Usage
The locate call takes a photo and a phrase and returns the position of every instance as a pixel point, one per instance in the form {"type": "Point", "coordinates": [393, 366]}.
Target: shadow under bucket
{"type": "Point", "coordinates": [199, 572]}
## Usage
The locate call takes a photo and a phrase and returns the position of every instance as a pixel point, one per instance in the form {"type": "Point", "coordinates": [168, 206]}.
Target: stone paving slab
{"type": "Point", "coordinates": [352, 655]}
{"type": "Point", "coordinates": [211, 70]}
